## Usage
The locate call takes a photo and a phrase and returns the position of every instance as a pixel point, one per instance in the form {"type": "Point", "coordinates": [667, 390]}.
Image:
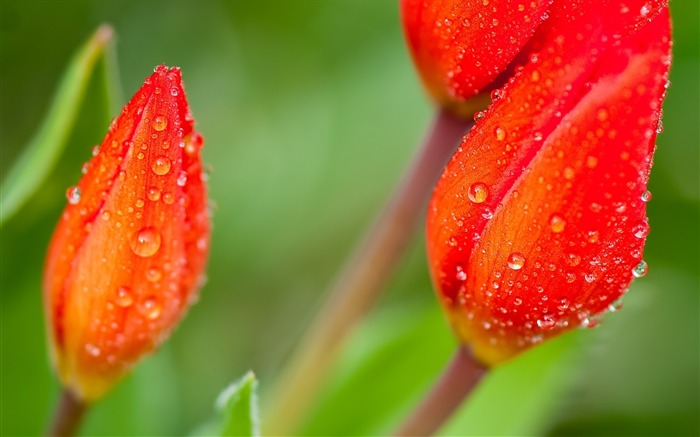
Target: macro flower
{"type": "Point", "coordinates": [462, 48]}
{"type": "Point", "coordinates": [538, 223]}
{"type": "Point", "coordinates": [129, 252]}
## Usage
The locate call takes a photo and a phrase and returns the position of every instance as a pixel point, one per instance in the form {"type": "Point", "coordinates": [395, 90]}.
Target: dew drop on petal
{"type": "Point", "coordinates": [640, 270]}
{"type": "Point", "coordinates": [153, 274]}
{"type": "Point", "coordinates": [182, 179]}
{"type": "Point", "coordinates": [161, 166]}
{"type": "Point", "coordinates": [546, 322]}
{"type": "Point", "coordinates": [516, 261]}
{"type": "Point", "coordinates": [73, 195]}
{"type": "Point", "coordinates": [168, 198]}
{"type": "Point", "coordinates": [478, 192]}
{"type": "Point", "coordinates": [124, 297]}
{"type": "Point", "coordinates": [500, 133]}
{"type": "Point", "coordinates": [641, 230]}
{"type": "Point", "coordinates": [646, 196]}
{"type": "Point", "coordinates": [461, 274]}
{"type": "Point", "coordinates": [92, 350]}
{"type": "Point", "coordinates": [153, 194]}
{"type": "Point", "coordinates": [159, 123]}
{"type": "Point", "coordinates": [150, 308]}
{"type": "Point", "coordinates": [557, 223]}
{"type": "Point", "coordinates": [145, 242]}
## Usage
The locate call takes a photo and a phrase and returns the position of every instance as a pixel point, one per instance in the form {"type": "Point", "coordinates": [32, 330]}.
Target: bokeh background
{"type": "Point", "coordinates": [310, 111]}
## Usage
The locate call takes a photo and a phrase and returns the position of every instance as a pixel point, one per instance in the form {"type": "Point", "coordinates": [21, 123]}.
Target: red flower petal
{"type": "Point", "coordinates": [130, 251]}
{"type": "Point", "coordinates": [460, 47]}
{"type": "Point", "coordinates": [538, 221]}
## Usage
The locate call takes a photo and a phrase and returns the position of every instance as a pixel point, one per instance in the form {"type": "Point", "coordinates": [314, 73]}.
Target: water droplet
{"type": "Point", "coordinates": [564, 304]}
{"type": "Point", "coordinates": [153, 274]}
{"type": "Point", "coordinates": [589, 277]}
{"type": "Point", "coordinates": [569, 173]}
{"type": "Point", "coordinates": [641, 230]}
{"type": "Point", "coordinates": [92, 350]}
{"type": "Point", "coordinates": [461, 274]}
{"type": "Point", "coordinates": [161, 166]}
{"type": "Point", "coordinates": [478, 192]}
{"type": "Point", "coordinates": [159, 123]}
{"type": "Point", "coordinates": [139, 203]}
{"type": "Point", "coordinates": [646, 196]}
{"type": "Point", "coordinates": [124, 297]}
{"type": "Point", "coordinates": [516, 261]}
{"type": "Point", "coordinates": [168, 198]}
{"type": "Point", "coordinates": [500, 133]}
{"type": "Point", "coordinates": [557, 223]}
{"type": "Point", "coordinates": [593, 236]}
{"type": "Point", "coordinates": [591, 162]}
{"type": "Point", "coordinates": [174, 91]}
{"type": "Point", "coordinates": [73, 195]}
{"type": "Point", "coordinates": [145, 242]}
{"type": "Point", "coordinates": [182, 179]}
{"type": "Point", "coordinates": [106, 215]}
{"type": "Point", "coordinates": [517, 301]}
{"type": "Point", "coordinates": [573, 259]}
{"type": "Point", "coordinates": [153, 194]}
{"type": "Point", "coordinates": [602, 114]}
{"type": "Point", "coordinates": [640, 270]}
{"type": "Point", "coordinates": [150, 308]}
{"type": "Point", "coordinates": [95, 150]}
{"type": "Point", "coordinates": [546, 322]}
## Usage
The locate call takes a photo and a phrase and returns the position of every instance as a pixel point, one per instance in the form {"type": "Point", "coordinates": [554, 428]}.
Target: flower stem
{"type": "Point", "coordinates": [362, 278]}
{"type": "Point", "coordinates": [69, 414]}
{"type": "Point", "coordinates": [457, 381]}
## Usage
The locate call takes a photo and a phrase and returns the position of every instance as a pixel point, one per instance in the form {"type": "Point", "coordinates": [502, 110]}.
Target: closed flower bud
{"type": "Point", "coordinates": [538, 223]}
{"type": "Point", "coordinates": [129, 251]}
{"type": "Point", "coordinates": [461, 47]}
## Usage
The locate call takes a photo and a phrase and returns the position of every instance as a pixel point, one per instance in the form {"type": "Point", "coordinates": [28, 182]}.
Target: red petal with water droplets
{"type": "Point", "coordinates": [461, 47]}
{"type": "Point", "coordinates": [538, 221]}
{"type": "Point", "coordinates": [129, 252]}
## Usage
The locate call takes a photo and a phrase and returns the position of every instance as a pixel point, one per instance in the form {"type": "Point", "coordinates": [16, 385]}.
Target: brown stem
{"type": "Point", "coordinates": [362, 278]}
{"type": "Point", "coordinates": [457, 381]}
{"type": "Point", "coordinates": [69, 414]}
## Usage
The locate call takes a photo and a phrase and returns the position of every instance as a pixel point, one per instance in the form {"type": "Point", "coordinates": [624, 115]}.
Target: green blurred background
{"type": "Point", "coordinates": [310, 111]}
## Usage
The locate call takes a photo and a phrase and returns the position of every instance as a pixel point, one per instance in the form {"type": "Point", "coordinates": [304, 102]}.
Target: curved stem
{"type": "Point", "coordinates": [363, 277]}
{"type": "Point", "coordinates": [69, 414]}
{"type": "Point", "coordinates": [457, 381]}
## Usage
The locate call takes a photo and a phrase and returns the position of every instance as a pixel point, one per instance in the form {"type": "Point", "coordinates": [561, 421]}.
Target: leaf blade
{"type": "Point", "coordinates": [238, 404]}
{"type": "Point", "coordinates": [42, 151]}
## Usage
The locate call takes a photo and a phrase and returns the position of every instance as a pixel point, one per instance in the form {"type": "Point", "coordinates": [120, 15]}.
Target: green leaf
{"type": "Point", "coordinates": [40, 155]}
{"type": "Point", "coordinates": [239, 405]}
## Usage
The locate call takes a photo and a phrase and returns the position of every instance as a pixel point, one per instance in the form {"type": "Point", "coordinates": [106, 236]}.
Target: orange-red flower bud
{"type": "Point", "coordinates": [460, 47]}
{"type": "Point", "coordinates": [539, 221]}
{"type": "Point", "coordinates": [129, 252]}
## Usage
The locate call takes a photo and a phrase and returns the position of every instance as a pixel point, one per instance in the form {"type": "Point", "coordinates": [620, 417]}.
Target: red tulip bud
{"type": "Point", "coordinates": [129, 252]}
{"type": "Point", "coordinates": [462, 46]}
{"type": "Point", "coordinates": [539, 221]}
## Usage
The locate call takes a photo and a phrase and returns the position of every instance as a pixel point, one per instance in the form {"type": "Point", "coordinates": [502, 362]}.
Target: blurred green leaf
{"type": "Point", "coordinates": [45, 147]}
{"type": "Point", "coordinates": [239, 406]}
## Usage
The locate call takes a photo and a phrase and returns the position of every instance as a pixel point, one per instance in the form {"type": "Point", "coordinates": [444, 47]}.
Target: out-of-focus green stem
{"type": "Point", "coordinates": [458, 380]}
{"type": "Point", "coordinates": [362, 278]}
{"type": "Point", "coordinates": [69, 413]}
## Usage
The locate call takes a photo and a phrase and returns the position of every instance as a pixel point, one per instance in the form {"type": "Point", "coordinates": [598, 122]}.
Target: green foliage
{"type": "Point", "coordinates": [42, 152]}
{"type": "Point", "coordinates": [239, 407]}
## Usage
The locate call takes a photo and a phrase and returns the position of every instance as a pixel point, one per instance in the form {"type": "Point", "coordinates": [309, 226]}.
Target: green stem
{"type": "Point", "coordinates": [458, 380]}
{"type": "Point", "coordinates": [69, 413]}
{"type": "Point", "coordinates": [362, 278]}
